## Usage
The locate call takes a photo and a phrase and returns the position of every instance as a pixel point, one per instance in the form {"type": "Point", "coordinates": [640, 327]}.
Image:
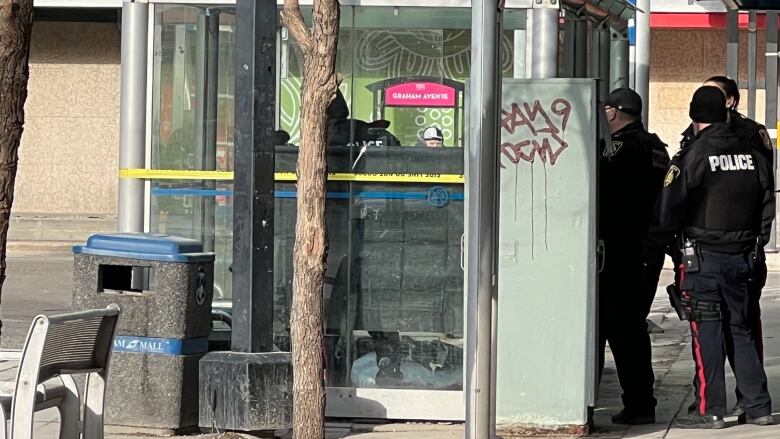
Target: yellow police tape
{"type": "Point", "coordinates": [171, 174]}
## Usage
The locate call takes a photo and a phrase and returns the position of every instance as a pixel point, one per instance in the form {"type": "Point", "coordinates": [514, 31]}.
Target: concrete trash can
{"type": "Point", "coordinates": [164, 285]}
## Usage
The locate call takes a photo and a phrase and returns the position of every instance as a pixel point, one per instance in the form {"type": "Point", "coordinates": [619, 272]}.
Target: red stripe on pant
{"type": "Point", "coordinates": [697, 353]}
{"type": "Point", "coordinates": [699, 368]}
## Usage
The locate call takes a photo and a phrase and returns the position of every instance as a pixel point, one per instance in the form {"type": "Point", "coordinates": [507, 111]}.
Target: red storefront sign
{"type": "Point", "coordinates": [420, 94]}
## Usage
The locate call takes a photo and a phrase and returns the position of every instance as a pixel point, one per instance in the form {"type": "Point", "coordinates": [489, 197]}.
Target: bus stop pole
{"type": "Point", "coordinates": [544, 60]}
{"type": "Point", "coordinates": [207, 62]}
{"type": "Point", "coordinates": [482, 249]}
{"type": "Point", "coordinates": [642, 56]}
{"type": "Point", "coordinates": [132, 116]}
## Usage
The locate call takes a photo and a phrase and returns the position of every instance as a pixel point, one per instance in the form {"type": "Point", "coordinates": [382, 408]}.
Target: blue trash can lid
{"type": "Point", "coordinates": [146, 247]}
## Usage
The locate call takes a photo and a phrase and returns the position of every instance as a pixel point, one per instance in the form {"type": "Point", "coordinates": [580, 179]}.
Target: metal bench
{"type": "Point", "coordinates": [58, 347]}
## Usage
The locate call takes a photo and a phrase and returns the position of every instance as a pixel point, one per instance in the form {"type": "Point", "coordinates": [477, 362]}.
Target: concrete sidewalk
{"type": "Point", "coordinates": [673, 366]}
{"type": "Point", "coordinates": [28, 293]}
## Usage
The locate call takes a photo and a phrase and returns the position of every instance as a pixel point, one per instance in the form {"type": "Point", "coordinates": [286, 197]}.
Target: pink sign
{"type": "Point", "coordinates": [420, 94]}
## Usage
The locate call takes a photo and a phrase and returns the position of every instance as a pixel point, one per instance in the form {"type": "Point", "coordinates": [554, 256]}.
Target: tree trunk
{"type": "Point", "coordinates": [15, 30]}
{"type": "Point", "coordinates": [320, 82]}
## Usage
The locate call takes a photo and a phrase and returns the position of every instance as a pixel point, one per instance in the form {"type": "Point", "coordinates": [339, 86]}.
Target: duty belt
{"type": "Point", "coordinates": [701, 311]}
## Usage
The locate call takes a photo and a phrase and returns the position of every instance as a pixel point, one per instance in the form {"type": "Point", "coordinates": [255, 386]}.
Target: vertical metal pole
{"type": "Point", "coordinates": [483, 181]}
{"type": "Point", "coordinates": [132, 113]}
{"type": "Point", "coordinates": [593, 57]}
{"type": "Point", "coordinates": [605, 67]}
{"type": "Point", "coordinates": [771, 98]}
{"type": "Point", "coordinates": [207, 61]}
{"type": "Point", "coordinates": [253, 190]}
{"type": "Point", "coordinates": [619, 62]}
{"type": "Point", "coordinates": [569, 45]}
{"type": "Point", "coordinates": [544, 59]}
{"type": "Point", "coordinates": [752, 58]}
{"type": "Point", "coordinates": [581, 46]}
{"type": "Point", "coordinates": [732, 45]}
{"type": "Point", "coordinates": [642, 55]}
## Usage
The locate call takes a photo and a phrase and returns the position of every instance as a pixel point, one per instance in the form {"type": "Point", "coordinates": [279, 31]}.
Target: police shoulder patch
{"type": "Point", "coordinates": [765, 137]}
{"type": "Point", "coordinates": [671, 175]}
{"type": "Point", "coordinates": [612, 149]}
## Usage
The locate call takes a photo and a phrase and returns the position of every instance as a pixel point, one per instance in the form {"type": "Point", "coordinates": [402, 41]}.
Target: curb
{"type": "Point", "coordinates": [25, 248]}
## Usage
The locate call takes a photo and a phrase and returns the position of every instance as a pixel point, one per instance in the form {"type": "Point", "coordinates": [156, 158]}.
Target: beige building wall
{"type": "Point", "coordinates": [69, 155]}
{"type": "Point", "coordinates": [679, 61]}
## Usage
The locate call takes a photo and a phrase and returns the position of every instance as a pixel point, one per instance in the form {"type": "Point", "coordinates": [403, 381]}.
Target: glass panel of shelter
{"type": "Point", "coordinates": [177, 206]}
{"type": "Point", "coordinates": [394, 293]}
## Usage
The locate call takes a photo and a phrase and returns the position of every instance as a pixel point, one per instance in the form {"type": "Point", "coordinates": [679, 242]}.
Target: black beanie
{"type": "Point", "coordinates": [708, 105]}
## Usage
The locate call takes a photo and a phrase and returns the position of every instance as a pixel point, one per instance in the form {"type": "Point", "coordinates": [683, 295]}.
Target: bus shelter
{"type": "Point", "coordinates": [197, 162]}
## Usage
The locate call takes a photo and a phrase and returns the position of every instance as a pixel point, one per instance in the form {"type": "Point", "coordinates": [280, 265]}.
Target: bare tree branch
{"type": "Point", "coordinates": [293, 21]}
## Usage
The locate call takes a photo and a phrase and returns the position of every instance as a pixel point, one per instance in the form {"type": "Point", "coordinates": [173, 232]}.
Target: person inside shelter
{"type": "Point", "coordinates": [432, 137]}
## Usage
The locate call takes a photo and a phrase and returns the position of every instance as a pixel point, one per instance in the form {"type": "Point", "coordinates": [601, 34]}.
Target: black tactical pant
{"type": "Point", "coordinates": [651, 274]}
{"type": "Point", "coordinates": [623, 309]}
{"type": "Point", "coordinates": [755, 285]}
{"type": "Point", "coordinates": [722, 279]}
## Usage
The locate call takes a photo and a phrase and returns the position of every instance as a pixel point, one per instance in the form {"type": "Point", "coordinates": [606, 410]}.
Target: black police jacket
{"type": "Point", "coordinates": [718, 191]}
{"type": "Point", "coordinates": [746, 129]}
{"type": "Point", "coordinates": [631, 175]}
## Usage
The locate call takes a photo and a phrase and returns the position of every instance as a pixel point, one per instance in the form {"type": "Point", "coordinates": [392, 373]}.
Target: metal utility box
{"type": "Point", "coordinates": [547, 255]}
{"type": "Point", "coordinates": [164, 285]}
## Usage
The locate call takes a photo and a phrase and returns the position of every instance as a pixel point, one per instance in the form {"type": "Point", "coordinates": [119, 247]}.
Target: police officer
{"type": "Point", "coordinates": [631, 175]}
{"type": "Point", "coordinates": [754, 134]}
{"type": "Point", "coordinates": [719, 197]}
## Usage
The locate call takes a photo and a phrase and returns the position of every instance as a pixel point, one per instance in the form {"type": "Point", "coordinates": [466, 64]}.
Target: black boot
{"type": "Point", "coordinates": [761, 420]}
{"type": "Point", "coordinates": [700, 421]}
{"type": "Point", "coordinates": [739, 409]}
{"type": "Point", "coordinates": [630, 417]}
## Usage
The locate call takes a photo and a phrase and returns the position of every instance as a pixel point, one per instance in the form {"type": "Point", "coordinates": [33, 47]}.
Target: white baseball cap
{"type": "Point", "coordinates": [432, 133]}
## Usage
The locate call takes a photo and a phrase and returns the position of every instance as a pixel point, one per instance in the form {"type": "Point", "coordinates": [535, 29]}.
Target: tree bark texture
{"type": "Point", "coordinates": [320, 82]}
{"type": "Point", "coordinates": [15, 31]}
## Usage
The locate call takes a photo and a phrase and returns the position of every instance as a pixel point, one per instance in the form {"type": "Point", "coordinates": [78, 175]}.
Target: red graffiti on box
{"type": "Point", "coordinates": [535, 131]}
